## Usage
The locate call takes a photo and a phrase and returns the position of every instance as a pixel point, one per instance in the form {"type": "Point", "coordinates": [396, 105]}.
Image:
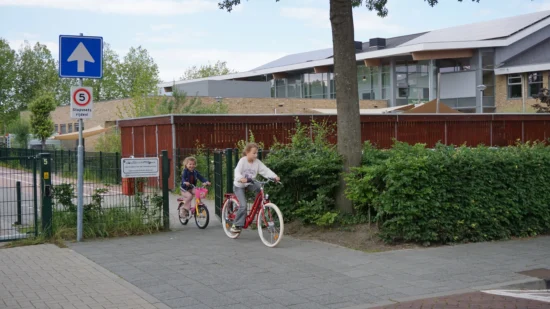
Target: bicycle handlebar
{"type": "Point", "coordinates": [193, 186]}
{"type": "Point", "coordinates": [268, 181]}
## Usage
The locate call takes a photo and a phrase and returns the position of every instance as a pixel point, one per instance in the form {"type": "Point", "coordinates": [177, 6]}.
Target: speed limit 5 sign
{"type": "Point", "coordinates": [82, 102]}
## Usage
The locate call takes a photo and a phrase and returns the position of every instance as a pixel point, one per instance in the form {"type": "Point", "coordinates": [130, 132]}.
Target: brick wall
{"type": "Point", "coordinates": [505, 105]}
{"type": "Point", "coordinates": [108, 111]}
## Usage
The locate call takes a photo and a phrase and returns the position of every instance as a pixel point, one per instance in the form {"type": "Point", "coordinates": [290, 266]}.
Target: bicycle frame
{"type": "Point", "coordinates": [197, 199]}
{"type": "Point", "coordinates": [259, 202]}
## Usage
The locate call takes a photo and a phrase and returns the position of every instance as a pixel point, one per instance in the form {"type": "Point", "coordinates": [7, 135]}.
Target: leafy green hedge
{"type": "Point", "coordinates": [309, 169]}
{"type": "Point", "coordinates": [448, 195]}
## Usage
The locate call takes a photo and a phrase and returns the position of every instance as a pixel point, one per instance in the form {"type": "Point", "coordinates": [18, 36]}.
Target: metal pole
{"type": "Point", "coordinates": [523, 90]}
{"type": "Point", "coordinates": [438, 92]}
{"type": "Point", "coordinates": [18, 193]}
{"type": "Point", "coordinates": [481, 102]}
{"type": "Point", "coordinates": [165, 193]}
{"type": "Point", "coordinates": [80, 178]}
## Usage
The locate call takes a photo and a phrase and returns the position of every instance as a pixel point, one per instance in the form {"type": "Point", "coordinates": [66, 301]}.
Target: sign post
{"type": "Point", "coordinates": [80, 57]}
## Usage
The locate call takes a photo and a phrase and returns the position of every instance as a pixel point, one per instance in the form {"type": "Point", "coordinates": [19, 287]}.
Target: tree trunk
{"type": "Point", "coordinates": [347, 98]}
{"type": "Point", "coordinates": [43, 146]}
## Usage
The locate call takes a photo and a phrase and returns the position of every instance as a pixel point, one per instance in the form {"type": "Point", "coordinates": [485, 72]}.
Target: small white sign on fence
{"type": "Point", "coordinates": [139, 167]}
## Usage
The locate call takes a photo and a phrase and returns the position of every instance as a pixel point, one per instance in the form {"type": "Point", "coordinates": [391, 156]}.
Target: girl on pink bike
{"type": "Point", "coordinates": [189, 178]}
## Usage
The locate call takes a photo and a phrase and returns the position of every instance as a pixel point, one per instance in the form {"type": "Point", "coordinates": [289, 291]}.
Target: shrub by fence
{"type": "Point", "coordinates": [449, 195]}
{"type": "Point", "coordinates": [309, 168]}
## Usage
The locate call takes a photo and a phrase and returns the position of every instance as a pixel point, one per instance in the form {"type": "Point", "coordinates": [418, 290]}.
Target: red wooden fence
{"type": "Point", "coordinates": [224, 131]}
{"type": "Point", "coordinates": [150, 135]}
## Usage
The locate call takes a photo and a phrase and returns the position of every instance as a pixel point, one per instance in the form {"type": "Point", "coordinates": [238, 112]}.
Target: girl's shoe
{"type": "Point", "coordinates": [184, 213]}
{"type": "Point", "coordinates": [235, 229]}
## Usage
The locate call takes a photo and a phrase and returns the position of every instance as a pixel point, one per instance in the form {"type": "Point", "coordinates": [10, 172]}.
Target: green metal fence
{"type": "Point", "coordinates": [18, 197]}
{"type": "Point", "coordinates": [112, 205]}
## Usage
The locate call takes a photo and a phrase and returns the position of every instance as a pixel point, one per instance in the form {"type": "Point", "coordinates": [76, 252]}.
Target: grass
{"type": "Point", "coordinates": [111, 222]}
{"type": "Point", "coordinates": [25, 229]}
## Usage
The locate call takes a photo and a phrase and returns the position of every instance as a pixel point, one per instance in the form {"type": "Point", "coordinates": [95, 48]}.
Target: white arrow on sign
{"type": "Point", "coordinates": [80, 55]}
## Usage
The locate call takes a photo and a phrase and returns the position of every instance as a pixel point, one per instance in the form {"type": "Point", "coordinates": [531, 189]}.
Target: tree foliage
{"type": "Point", "coordinates": [21, 128]}
{"type": "Point", "coordinates": [138, 73]}
{"type": "Point", "coordinates": [544, 101]}
{"type": "Point", "coordinates": [8, 75]}
{"type": "Point", "coordinates": [36, 74]}
{"type": "Point", "coordinates": [109, 142]}
{"type": "Point", "coordinates": [216, 69]}
{"type": "Point", "coordinates": [42, 125]}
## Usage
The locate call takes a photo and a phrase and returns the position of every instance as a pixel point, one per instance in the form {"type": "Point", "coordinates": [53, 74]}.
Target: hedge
{"type": "Point", "coordinates": [449, 195]}
{"type": "Point", "coordinates": [309, 169]}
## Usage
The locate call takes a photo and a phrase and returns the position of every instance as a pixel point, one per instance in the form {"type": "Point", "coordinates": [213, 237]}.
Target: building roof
{"type": "Point", "coordinates": [327, 52]}
{"type": "Point", "coordinates": [488, 30]}
{"type": "Point", "coordinates": [495, 33]}
{"type": "Point", "coordinates": [533, 59]}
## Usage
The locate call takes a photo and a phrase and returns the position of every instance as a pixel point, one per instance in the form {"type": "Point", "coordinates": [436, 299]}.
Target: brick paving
{"type": "Point", "coordinates": [192, 268]}
{"type": "Point", "coordinates": [46, 276]}
{"type": "Point", "coordinates": [203, 269]}
{"type": "Point", "coordinates": [477, 300]}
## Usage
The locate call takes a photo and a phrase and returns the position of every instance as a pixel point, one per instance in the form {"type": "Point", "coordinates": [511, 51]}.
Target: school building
{"type": "Point", "coordinates": [492, 66]}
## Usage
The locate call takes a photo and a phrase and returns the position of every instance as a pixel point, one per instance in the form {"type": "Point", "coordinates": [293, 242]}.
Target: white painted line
{"type": "Point", "coordinates": [538, 295]}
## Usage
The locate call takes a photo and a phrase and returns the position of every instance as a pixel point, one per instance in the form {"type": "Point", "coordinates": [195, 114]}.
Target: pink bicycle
{"type": "Point", "coordinates": [200, 211]}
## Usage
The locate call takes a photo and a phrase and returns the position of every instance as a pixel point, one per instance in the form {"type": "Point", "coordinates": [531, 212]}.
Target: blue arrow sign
{"type": "Point", "coordinates": [80, 56]}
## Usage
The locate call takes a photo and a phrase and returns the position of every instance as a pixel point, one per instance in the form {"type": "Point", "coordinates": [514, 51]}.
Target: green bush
{"type": "Point", "coordinates": [448, 194]}
{"type": "Point", "coordinates": [102, 220]}
{"type": "Point", "coordinates": [309, 169]}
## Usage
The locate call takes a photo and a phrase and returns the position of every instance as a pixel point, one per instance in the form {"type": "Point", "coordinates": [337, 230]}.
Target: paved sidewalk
{"type": "Point", "coordinates": [46, 276]}
{"type": "Point", "coordinates": [193, 268]}
{"type": "Point", "coordinates": [477, 300]}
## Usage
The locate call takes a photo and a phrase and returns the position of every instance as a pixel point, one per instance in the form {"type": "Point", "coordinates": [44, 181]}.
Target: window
{"type": "Point", "coordinates": [535, 83]}
{"type": "Point", "coordinates": [76, 126]}
{"type": "Point", "coordinates": [56, 128]}
{"type": "Point", "coordinates": [63, 129]}
{"type": "Point", "coordinates": [315, 85]}
{"type": "Point", "coordinates": [368, 82]}
{"type": "Point", "coordinates": [386, 81]}
{"type": "Point", "coordinates": [280, 88]}
{"type": "Point", "coordinates": [70, 128]}
{"type": "Point", "coordinates": [412, 81]}
{"type": "Point", "coordinates": [514, 86]}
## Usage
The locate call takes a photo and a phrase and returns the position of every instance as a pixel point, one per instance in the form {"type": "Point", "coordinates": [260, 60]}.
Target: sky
{"type": "Point", "coordinates": [181, 33]}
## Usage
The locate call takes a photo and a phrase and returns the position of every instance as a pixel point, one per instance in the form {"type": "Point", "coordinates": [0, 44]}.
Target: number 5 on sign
{"type": "Point", "coordinates": [81, 102]}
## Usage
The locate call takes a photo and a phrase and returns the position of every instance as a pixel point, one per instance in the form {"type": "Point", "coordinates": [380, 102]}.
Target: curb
{"type": "Point", "coordinates": [522, 284]}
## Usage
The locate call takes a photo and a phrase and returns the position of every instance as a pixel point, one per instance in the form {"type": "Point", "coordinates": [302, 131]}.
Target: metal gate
{"type": "Point", "coordinates": [18, 197]}
{"type": "Point", "coordinates": [223, 181]}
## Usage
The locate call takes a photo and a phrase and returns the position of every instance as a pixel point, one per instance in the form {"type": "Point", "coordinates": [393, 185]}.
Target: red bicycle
{"type": "Point", "coordinates": [267, 215]}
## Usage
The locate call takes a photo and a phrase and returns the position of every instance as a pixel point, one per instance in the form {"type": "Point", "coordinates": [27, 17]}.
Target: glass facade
{"type": "Point", "coordinates": [488, 67]}
{"type": "Point", "coordinates": [411, 82]}
{"type": "Point", "coordinates": [368, 83]}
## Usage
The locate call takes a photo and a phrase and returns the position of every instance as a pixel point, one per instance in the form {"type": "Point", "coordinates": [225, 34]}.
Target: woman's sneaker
{"type": "Point", "coordinates": [235, 229]}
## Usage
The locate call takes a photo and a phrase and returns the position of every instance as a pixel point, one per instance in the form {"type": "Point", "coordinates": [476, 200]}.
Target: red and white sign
{"type": "Point", "coordinates": [82, 102]}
